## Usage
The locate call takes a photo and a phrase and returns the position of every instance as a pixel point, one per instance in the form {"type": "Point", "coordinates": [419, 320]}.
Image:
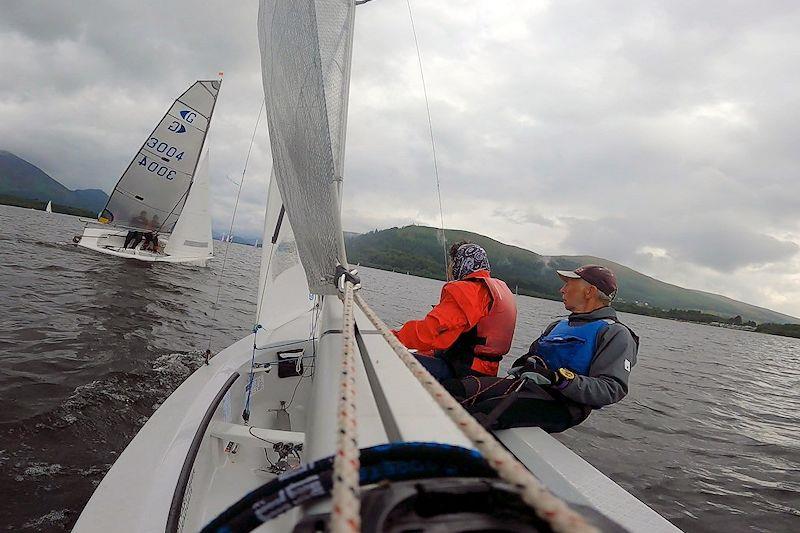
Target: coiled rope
{"type": "Point", "coordinates": [548, 507]}
{"type": "Point", "coordinates": [346, 512]}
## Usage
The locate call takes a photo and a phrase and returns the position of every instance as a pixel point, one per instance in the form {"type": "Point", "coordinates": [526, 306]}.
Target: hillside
{"type": "Point", "coordinates": [417, 250]}
{"type": "Point", "coordinates": [23, 180]}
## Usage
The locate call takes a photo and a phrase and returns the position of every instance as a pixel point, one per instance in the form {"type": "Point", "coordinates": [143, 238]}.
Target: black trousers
{"type": "Point", "coordinates": [134, 236]}
{"type": "Point", "coordinates": [480, 396]}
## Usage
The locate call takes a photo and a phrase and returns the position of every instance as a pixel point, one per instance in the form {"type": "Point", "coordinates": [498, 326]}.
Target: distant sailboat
{"type": "Point", "coordinates": [164, 190]}
{"type": "Point", "coordinates": [49, 207]}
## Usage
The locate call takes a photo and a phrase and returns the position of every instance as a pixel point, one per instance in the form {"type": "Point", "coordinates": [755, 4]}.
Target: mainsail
{"type": "Point", "coordinates": [151, 192]}
{"type": "Point", "coordinates": [305, 54]}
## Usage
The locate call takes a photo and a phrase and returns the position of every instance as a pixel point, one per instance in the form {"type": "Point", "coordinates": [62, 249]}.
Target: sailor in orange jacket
{"type": "Point", "coordinates": [472, 326]}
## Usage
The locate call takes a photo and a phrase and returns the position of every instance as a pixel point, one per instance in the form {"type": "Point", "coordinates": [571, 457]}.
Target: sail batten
{"type": "Point", "coordinates": [151, 192]}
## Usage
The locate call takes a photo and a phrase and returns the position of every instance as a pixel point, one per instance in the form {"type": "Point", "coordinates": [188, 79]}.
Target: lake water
{"type": "Point", "coordinates": [90, 345]}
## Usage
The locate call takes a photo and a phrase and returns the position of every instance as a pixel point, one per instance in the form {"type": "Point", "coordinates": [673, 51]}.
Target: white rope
{"type": "Point", "coordinates": [548, 507]}
{"type": "Point", "coordinates": [346, 512]}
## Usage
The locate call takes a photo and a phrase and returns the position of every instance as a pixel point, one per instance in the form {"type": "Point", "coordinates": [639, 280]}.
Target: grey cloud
{"type": "Point", "coordinates": [722, 245]}
{"type": "Point", "coordinates": [666, 124]}
{"type": "Point", "coordinates": [523, 217]}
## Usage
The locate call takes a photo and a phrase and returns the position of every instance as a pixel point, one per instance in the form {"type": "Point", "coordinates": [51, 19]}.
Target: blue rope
{"type": "Point", "coordinates": [246, 412]}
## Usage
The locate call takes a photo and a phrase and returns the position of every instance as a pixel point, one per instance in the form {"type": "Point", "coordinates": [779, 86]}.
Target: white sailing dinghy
{"type": "Point", "coordinates": [49, 207]}
{"type": "Point", "coordinates": [164, 190]}
{"type": "Point", "coordinates": [321, 396]}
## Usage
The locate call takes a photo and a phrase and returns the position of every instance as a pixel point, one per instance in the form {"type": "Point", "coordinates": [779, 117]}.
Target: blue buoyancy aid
{"type": "Point", "coordinates": [571, 346]}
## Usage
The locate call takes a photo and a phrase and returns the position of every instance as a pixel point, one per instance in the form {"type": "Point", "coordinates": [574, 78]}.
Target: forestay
{"type": "Point", "coordinates": [305, 56]}
{"type": "Point", "coordinates": [151, 192]}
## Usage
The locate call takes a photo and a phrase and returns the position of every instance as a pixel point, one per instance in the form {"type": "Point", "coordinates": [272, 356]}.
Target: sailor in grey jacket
{"type": "Point", "coordinates": [578, 364]}
{"type": "Point", "coordinates": [605, 381]}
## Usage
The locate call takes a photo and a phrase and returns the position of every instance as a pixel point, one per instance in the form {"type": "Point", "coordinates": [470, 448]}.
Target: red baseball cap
{"type": "Point", "coordinates": [599, 276]}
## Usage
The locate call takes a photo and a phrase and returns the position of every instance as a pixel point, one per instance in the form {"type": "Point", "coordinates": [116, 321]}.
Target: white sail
{"type": "Point", "coordinates": [191, 236]}
{"type": "Point", "coordinates": [282, 288]}
{"type": "Point", "coordinates": [49, 207]}
{"type": "Point", "coordinates": [305, 55]}
{"type": "Point", "coordinates": [151, 192]}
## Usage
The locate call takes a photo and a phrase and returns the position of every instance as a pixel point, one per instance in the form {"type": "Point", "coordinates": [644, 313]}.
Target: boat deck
{"type": "Point", "coordinates": [146, 484]}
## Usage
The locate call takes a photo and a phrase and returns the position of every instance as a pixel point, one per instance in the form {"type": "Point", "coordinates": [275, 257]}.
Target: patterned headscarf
{"type": "Point", "coordinates": [469, 258]}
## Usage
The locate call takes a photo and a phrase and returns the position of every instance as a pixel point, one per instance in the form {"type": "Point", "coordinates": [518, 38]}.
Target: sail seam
{"type": "Point", "coordinates": [193, 109]}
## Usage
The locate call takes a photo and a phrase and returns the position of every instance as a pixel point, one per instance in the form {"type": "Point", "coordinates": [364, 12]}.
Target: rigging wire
{"type": "Point", "coordinates": [174, 207]}
{"type": "Point", "coordinates": [433, 143]}
{"type": "Point", "coordinates": [230, 229]}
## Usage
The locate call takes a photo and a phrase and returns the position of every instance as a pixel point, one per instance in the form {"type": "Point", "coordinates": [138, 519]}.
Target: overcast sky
{"type": "Point", "coordinates": [661, 135]}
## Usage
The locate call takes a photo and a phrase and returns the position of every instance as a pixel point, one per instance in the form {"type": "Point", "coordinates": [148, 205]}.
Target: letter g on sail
{"type": "Point", "coordinates": [188, 116]}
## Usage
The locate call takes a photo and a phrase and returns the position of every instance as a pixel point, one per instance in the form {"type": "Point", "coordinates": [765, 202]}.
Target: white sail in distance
{"type": "Point", "coordinates": [151, 192]}
{"type": "Point", "coordinates": [192, 233]}
{"type": "Point", "coordinates": [305, 58]}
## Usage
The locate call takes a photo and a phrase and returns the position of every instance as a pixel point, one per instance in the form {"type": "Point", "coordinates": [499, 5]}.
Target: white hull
{"type": "Point", "coordinates": [109, 240]}
{"type": "Point", "coordinates": [161, 482]}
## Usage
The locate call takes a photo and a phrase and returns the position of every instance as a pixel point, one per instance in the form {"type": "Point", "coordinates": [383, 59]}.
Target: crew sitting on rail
{"type": "Point", "coordinates": [150, 242]}
{"type": "Point", "coordinates": [470, 330]}
{"type": "Point", "coordinates": [133, 238]}
{"type": "Point", "coordinates": [578, 364]}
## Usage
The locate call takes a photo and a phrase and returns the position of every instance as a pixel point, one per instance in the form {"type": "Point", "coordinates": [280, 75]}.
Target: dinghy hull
{"type": "Point", "coordinates": [110, 241]}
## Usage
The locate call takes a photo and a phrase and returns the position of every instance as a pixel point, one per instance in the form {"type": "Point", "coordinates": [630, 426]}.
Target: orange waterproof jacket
{"type": "Point", "coordinates": [462, 305]}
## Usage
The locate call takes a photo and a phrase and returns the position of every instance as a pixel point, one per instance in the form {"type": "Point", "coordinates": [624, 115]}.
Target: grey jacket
{"type": "Point", "coordinates": [614, 357]}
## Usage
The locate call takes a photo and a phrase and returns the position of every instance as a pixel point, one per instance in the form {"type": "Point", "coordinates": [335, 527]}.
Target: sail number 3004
{"type": "Point", "coordinates": [164, 148]}
{"type": "Point", "coordinates": [157, 168]}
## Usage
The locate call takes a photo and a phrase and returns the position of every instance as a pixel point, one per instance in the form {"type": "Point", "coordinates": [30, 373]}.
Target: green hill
{"type": "Point", "coordinates": [417, 250]}
{"type": "Point", "coordinates": [21, 180]}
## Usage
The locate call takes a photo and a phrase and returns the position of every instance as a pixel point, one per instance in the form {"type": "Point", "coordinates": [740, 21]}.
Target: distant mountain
{"type": "Point", "coordinates": [418, 250]}
{"type": "Point", "coordinates": [21, 179]}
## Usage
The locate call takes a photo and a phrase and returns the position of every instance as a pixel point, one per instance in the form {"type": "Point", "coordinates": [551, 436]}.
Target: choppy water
{"type": "Point", "coordinates": [90, 345]}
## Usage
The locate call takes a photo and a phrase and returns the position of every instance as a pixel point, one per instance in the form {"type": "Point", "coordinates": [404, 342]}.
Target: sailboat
{"type": "Point", "coordinates": [278, 429]}
{"type": "Point", "coordinates": [49, 207]}
{"type": "Point", "coordinates": [164, 190]}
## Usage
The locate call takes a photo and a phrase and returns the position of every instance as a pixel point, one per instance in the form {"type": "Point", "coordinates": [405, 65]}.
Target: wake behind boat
{"type": "Point", "coordinates": [159, 209]}
{"type": "Point", "coordinates": [320, 420]}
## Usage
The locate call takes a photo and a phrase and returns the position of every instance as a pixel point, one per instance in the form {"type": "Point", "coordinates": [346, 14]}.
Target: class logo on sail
{"type": "Point", "coordinates": [177, 127]}
{"type": "Point", "coordinates": [187, 115]}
